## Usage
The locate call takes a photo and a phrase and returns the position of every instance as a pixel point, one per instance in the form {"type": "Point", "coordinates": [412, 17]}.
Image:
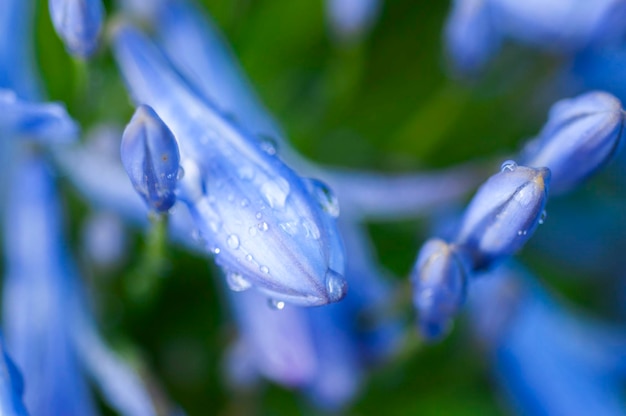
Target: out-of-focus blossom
{"type": "Point", "coordinates": [47, 329]}
{"type": "Point", "coordinates": [470, 36]}
{"type": "Point", "coordinates": [325, 352]}
{"type": "Point", "coordinates": [151, 159]}
{"type": "Point", "coordinates": [546, 358]}
{"type": "Point", "coordinates": [439, 281]}
{"type": "Point", "coordinates": [104, 239]}
{"type": "Point", "coordinates": [504, 213]}
{"type": "Point", "coordinates": [257, 216]}
{"type": "Point", "coordinates": [199, 52]}
{"type": "Point", "coordinates": [41, 122]}
{"type": "Point", "coordinates": [11, 385]}
{"type": "Point", "coordinates": [581, 135]}
{"type": "Point", "coordinates": [78, 23]}
{"type": "Point", "coordinates": [350, 20]}
{"type": "Point", "coordinates": [17, 60]}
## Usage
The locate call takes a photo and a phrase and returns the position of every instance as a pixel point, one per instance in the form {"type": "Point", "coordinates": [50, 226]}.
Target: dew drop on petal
{"type": "Point", "coordinates": [268, 145]}
{"type": "Point", "coordinates": [277, 305]}
{"type": "Point", "coordinates": [249, 257]}
{"type": "Point", "coordinates": [290, 228]}
{"type": "Point", "coordinates": [310, 229]}
{"type": "Point", "coordinates": [324, 196]}
{"type": "Point", "coordinates": [522, 232]}
{"type": "Point", "coordinates": [543, 216]}
{"type": "Point", "coordinates": [252, 231]}
{"type": "Point", "coordinates": [180, 174]}
{"type": "Point", "coordinates": [217, 250]}
{"type": "Point", "coordinates": [263, 226]}
{"type": "Point", "coordinates": [236, 282]}
{"type": "Point", "coordinates": [233, 241]}
{"type": "Point", "coordinates": [258, 215]}
{"type": "Point", "coordinates": [245, 202]}
{"type": "Point", "coordinates": [276, 192]}
{"type": "Point", "coordinates": [336, 285]}
{"type": "Point", "coordinates": [508, 166]}
{"type": "Point", "coordinates": [264, 269]}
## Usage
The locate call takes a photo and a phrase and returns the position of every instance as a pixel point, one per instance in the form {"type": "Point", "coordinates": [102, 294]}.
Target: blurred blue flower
{"type": "Point", "coordinates": [547, 359]}
{"type": "Point", "coordinates": [470, 36]}
{"type": "Point", "coordinates": [150, 156]}
{"type": "Point", "coordinates": [11, 385]}
{"type": "Point", "coordinates": [439, 281]}
{"type": "Point", "coordinates": [581, 135]}
{"type": "Point", "coordinates": [351, 20]}
{"type": "Point", "coordinates": [257, 216]}
{"type": "Point", "coordinates": [504, 213]}
{"type": "Point", "coordinates": [48, 331]}
{"type": "Point", "coordinates": [41, 122]}
{"type": "Point", "coordinates": [78, 23]}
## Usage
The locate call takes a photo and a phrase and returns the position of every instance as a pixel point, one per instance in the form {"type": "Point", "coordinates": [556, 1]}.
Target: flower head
{"type": "Point", "coordinates": [580, 136]}
{"type": "Point", "coordinates": [78, 23]}
{"type": "Point", "coordinates": [504, 213]}
{"type": "Point", "coordinates": [151, 159]}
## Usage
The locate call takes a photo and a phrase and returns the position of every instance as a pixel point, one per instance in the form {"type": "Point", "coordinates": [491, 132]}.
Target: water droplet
{"type": "Point", "coordinates": [249, 257]}
{"type": "Point", "coordinates": [268, 145]}
{"type": "Point", "coordinates": [252, 231]}
{"type": "Point", "coordinates": [276, 192]}
{"type": "Point", "coordinates": [278, 305]}
{"type": "Point", "coordinates": [217, 250]}
{"type": "Point", "coordinates": [290, 228]}
{"type": "Point", "coordinates": [236, 282]}
{"type": "Point", "coordinates": [264, 269]}
{"type": "Point", "coordinates": [324, 196]}
{"type": "Point", "coordinates": [196, 236]}
{"type": "Point", "coordinates": [215, 225]}
{"type": "Point", "coordinates": [233, 241]}
{"type": "Point", "coordinates": [258, 215]}
{"type": "Point", "coordinates": [508, 166]}
{"type": "Point", "coordinates": [310, 229]}
{"type": "Point", "coordinates": [180, 174]}
{"type": "Point", "coordinates": [543, 216]}
{"type": "Point", "coordinates": [263, 226]}
{"type": "Point", "coordinates": [522, 232]}
{"type": "Point", "coordinates": [336, 285]}
{"type": "Point", "coordinates": [245, 202]}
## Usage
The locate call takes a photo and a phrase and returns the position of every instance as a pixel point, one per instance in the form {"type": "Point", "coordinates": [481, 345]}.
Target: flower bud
{"type": "Point", "coordinates": [439, 282]}
{"type": "Point", "coordinates": [151, 159]}
{"type": "Point", "coordinates": [256, 215]}
{"type": "Point", "coordinates": [78, 24]}
{"type": "Point", "coordinates": [580, 136]}
{"type": "Point", "coordinates": [504, 213]}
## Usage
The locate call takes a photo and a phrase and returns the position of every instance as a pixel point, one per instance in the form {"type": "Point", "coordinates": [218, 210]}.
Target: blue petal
{"type": "Point", "coordinates": [579, 138]}
{"type": "Point", "coordinates": [151, 159]}
{"type": "Point", "coordinates": [78, 23]}
{"type": "Point", "coordinates": [504, 213]}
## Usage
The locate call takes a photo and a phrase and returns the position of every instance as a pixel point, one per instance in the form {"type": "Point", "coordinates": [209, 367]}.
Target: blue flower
{"type": "Point", "coordinates": [470, 36]}
{"type": "Point", "coordinates": [581, 135]}
{"type": "Point", "coordinates": [49, 333]}
{"type": "Point", "coordinates": [350, 20]}
{"type": "Point", "coordinates": [257, 216]}
{"type": "Point", "coordinates": [78, 23]}
{"type": "Point", "coordinates": [547, 359]}
{"type": "Point", "coordinates": [504, 213]}
{"type": "Point", "coordinates": [11, 385]}
{"type": "Point", "coordinates": [151, 159]}
{"type": "Point", "coordinates": [439, 281]}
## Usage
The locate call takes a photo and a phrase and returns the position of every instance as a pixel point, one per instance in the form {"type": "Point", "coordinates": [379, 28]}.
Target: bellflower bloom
{"type": "Point", "coordinates": [470, 36]}
{"type": "Point", "coordinates": [78, 23]}
{"type": "Point", "coordinates": [579, 367]}
{"type": "Point", "coordinates": [580, 136]}
{"type": "Point", "coordinates": [439, 282]}
{"type": "Point", "coordinates": [504, 213]}
{"type": "Point", "coordinates": [11, 385]}
{"type": "Point", "coordinates": [151, 159]}
{"type": "Point", "coordinates": [257, 216]}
